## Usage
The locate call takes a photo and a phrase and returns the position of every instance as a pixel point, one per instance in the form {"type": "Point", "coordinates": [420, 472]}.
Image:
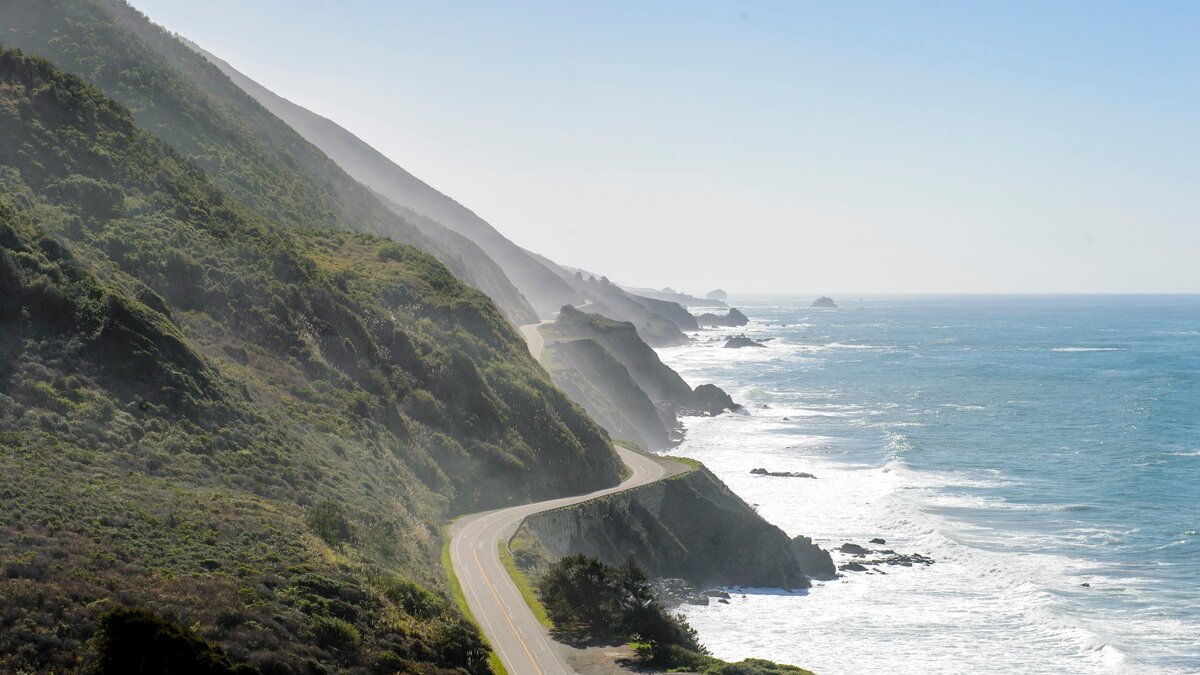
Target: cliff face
{"type": "Point", "coordinates": [672, 311]}
{"type": "Point", "coordinates": [663, 385]}
{"type": "Point", "coordinates": [690, 526]}
{"type": "Point", "coordinates": [591, 377]}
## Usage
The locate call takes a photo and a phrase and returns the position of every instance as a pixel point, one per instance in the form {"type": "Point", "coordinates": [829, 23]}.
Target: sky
{"type": "Point", "coordinates": [772, 147]}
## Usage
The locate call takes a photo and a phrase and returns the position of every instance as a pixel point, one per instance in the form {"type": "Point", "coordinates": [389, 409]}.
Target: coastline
{"type": "Point", "coordinates": [1001, 591]}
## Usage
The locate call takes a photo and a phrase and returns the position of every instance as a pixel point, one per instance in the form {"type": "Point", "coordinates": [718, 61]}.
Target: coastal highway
{"type": "Point", "coordinates": [522, 643]}
{"type": "Point", "coordinates": [533, 336]}
{"type": "Point", "coordinates": [518, 638]}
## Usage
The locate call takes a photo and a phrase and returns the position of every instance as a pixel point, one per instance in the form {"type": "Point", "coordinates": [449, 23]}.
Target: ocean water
{"type": "Point", "coordinates": [1029, 445]}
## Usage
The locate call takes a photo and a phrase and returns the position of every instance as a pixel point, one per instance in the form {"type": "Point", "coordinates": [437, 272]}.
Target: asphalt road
{"type": "Point", "coordinates": [522, 643]}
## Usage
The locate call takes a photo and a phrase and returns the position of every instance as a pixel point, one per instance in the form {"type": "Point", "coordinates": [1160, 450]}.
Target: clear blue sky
{"type": "Point", "coordinates": [810, 147]}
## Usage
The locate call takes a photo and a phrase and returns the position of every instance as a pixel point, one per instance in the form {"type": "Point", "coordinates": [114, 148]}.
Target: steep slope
{"type": "Point", "coordinates": [608, 369]}
{"type": "Point", "coordinates": [658, 325]}
{"type": "Point", "coordinates": [598, 382]}
{"type": "Point", "coordinates": [251, 428]}
{"type": "Point", "coordinates": [185, 100]}
{"type": "Point", "coordinates": [541, 287]}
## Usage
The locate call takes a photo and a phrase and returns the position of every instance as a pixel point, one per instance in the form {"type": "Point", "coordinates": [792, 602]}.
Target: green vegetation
{"type": "Point", "coordinates": [251, 155]}
{"type": "Point", "coordinates": [248, 428]}
{"type": "Point", "coordinates": [522, 580]}
{"type": "Point", "coordinates": [136, 641]}
{"type": "Point", "coordinates": [583, 596]}
{"type": "Point", "coordinates": [586, 598]}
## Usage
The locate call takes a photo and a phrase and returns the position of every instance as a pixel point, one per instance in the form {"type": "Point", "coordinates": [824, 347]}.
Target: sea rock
{"type": "Point", "coordinates": [717, 295]}
{"type": "Point", "coordinates": [708, 400]}
{"type": "Point", "coordinates": [673, 592]}
{"type": "Point", "coordinates": [716, 593]}
{"type": "Point", "coordinates": [814, 560]}
{"type": "Point", "coordinates": [853, 549]}
{"type": "Point", "coordinates": [878, 540]}
{"type": "Point", "coordinates": [741, 341]}
{"type": "Point", "coordinates": [852, 567]}
{"type": "Point", "coordinates": [781, 474]}
{"type": "Point", "coordinates": [825, 302]}
{"type": "Point", "coordinates": [733, 319]}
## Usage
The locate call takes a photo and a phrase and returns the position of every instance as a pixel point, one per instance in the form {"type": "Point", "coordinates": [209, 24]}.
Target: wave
{"type": "Point", "coordinates": [1086, 349]}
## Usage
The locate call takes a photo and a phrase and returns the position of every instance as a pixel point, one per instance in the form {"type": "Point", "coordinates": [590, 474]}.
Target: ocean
{"type": "Point", "coordinates": [1029, 445]}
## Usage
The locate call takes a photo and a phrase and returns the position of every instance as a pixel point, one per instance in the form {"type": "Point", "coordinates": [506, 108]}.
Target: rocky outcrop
{"type": "Point", "coordinates": [814, 561]}
{"type": "Point", "coordinates": [864, 559]}
{"type": "Point", "coordinates": [781, 474]}
{"type": "Point", "coordinates": [708, 400]}
{"type": "Point", "coordinates": [717, 295]}
{"type": "Point", "coordinates": [733, 319]}
{"type": "Point", "coordinates": [690, 526]}
{"type": "Point", "coordinates": [739, 341]}
{"type": "Point", "coordinates": [824, 302]}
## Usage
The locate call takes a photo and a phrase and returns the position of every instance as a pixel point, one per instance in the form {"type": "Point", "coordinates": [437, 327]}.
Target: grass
{"type": "Point", "coordinates": [524, 585]}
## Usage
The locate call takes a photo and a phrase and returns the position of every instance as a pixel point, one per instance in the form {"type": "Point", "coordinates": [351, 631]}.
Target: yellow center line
{"type": "Point", "coordinates": [500, 604]}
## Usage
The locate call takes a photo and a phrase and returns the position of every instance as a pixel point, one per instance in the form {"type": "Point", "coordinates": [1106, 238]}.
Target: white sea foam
{"type": "Point", "coordinates": [981, 604]}
{"type": "Point", "coordinates": [1086, 349]}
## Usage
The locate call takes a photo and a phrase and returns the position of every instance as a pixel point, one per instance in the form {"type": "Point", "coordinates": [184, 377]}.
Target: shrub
{"type": "Point", "coordinates": [334, 634]}
{"type": "Point", "coordinates": [133, 641]}
{"type": "Point", "coordinates": [328, 521]}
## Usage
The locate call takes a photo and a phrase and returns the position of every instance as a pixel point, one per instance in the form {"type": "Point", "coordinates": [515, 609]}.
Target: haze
{"type": "Point", "coordinates": [772, 147]}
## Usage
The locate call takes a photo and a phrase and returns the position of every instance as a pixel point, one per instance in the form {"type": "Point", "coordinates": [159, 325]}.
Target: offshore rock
{"type": "Point", "coordinates": [740, 341]}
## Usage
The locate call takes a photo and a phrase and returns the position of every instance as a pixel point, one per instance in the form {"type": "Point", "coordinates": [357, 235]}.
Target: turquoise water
{"type": "Point", "coordinates": [1029, 444]}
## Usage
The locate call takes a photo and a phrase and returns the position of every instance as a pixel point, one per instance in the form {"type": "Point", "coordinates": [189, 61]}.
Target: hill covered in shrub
{"type": "Point", "coordinates": [248, 426]}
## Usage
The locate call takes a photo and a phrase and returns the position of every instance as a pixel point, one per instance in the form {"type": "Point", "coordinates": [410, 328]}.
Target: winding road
{"type": "Point", "coordinates": [518, 638]}
{"type": "Point", "coordinates": [522, 643]}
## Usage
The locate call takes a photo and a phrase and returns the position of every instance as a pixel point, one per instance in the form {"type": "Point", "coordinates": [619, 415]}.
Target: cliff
{"type": "Point", "coordinates": [591, 377]}
{"type": "Point", "coordinates": [689, 526]}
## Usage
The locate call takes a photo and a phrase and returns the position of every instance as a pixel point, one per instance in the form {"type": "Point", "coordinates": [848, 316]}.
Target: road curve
{"type": "Point", "coordinates": [522, 643]}
{"type": "Point", "coordinates": [533, 338]}
{"type": "Point", "coordinates": [533, 335]}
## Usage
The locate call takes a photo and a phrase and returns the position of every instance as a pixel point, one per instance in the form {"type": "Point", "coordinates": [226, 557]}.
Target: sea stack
{"type": "Point", "coordinates": [717, 295]}
{"type": "Point", "coordinates": [825, 302]}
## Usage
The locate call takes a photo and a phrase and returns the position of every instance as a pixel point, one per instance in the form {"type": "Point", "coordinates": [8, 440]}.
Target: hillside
{"type": "Point", "coordinates": [537, 283]}
{"type": "Point", "coordinates": [253, 156]}
{"type": "Point", "coordinates": [607, 368]}
{"type": "Point", "coordinates": [598, 382]}
{"type": "Point", "coordinates": [658, 324]}
{"type": "Point", "coordinates": [251, 427]}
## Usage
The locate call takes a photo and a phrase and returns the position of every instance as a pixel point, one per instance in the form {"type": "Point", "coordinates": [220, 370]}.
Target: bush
{"type": "Point", "coordinates": [328, 521]}
{"type": "Point", "coordinates": [334, 634]}
{"type": "Point", "coordinates": [132, 641]}
{"type": "Point", "coordinates": [583, 595]}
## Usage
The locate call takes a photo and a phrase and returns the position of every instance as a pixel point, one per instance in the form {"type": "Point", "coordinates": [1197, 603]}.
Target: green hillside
{"type": "Point", "coordinates": [251, 427]}
{"type": "Point", "coordinates": [253, 156]}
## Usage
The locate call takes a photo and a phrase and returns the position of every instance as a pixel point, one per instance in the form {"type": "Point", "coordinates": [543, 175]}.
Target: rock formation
{"type": "Point", "coordinates": [733, 319]}
{"type": "Point", "coordinates": [740, 341]}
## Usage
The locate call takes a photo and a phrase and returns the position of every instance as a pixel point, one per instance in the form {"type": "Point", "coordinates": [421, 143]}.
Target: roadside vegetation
{"type": "Point", "coordinates": [585, 598]}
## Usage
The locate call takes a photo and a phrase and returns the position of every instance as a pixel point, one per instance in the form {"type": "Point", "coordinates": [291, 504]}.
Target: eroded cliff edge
{"type": "Point", "coordinates": [689, 526]}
